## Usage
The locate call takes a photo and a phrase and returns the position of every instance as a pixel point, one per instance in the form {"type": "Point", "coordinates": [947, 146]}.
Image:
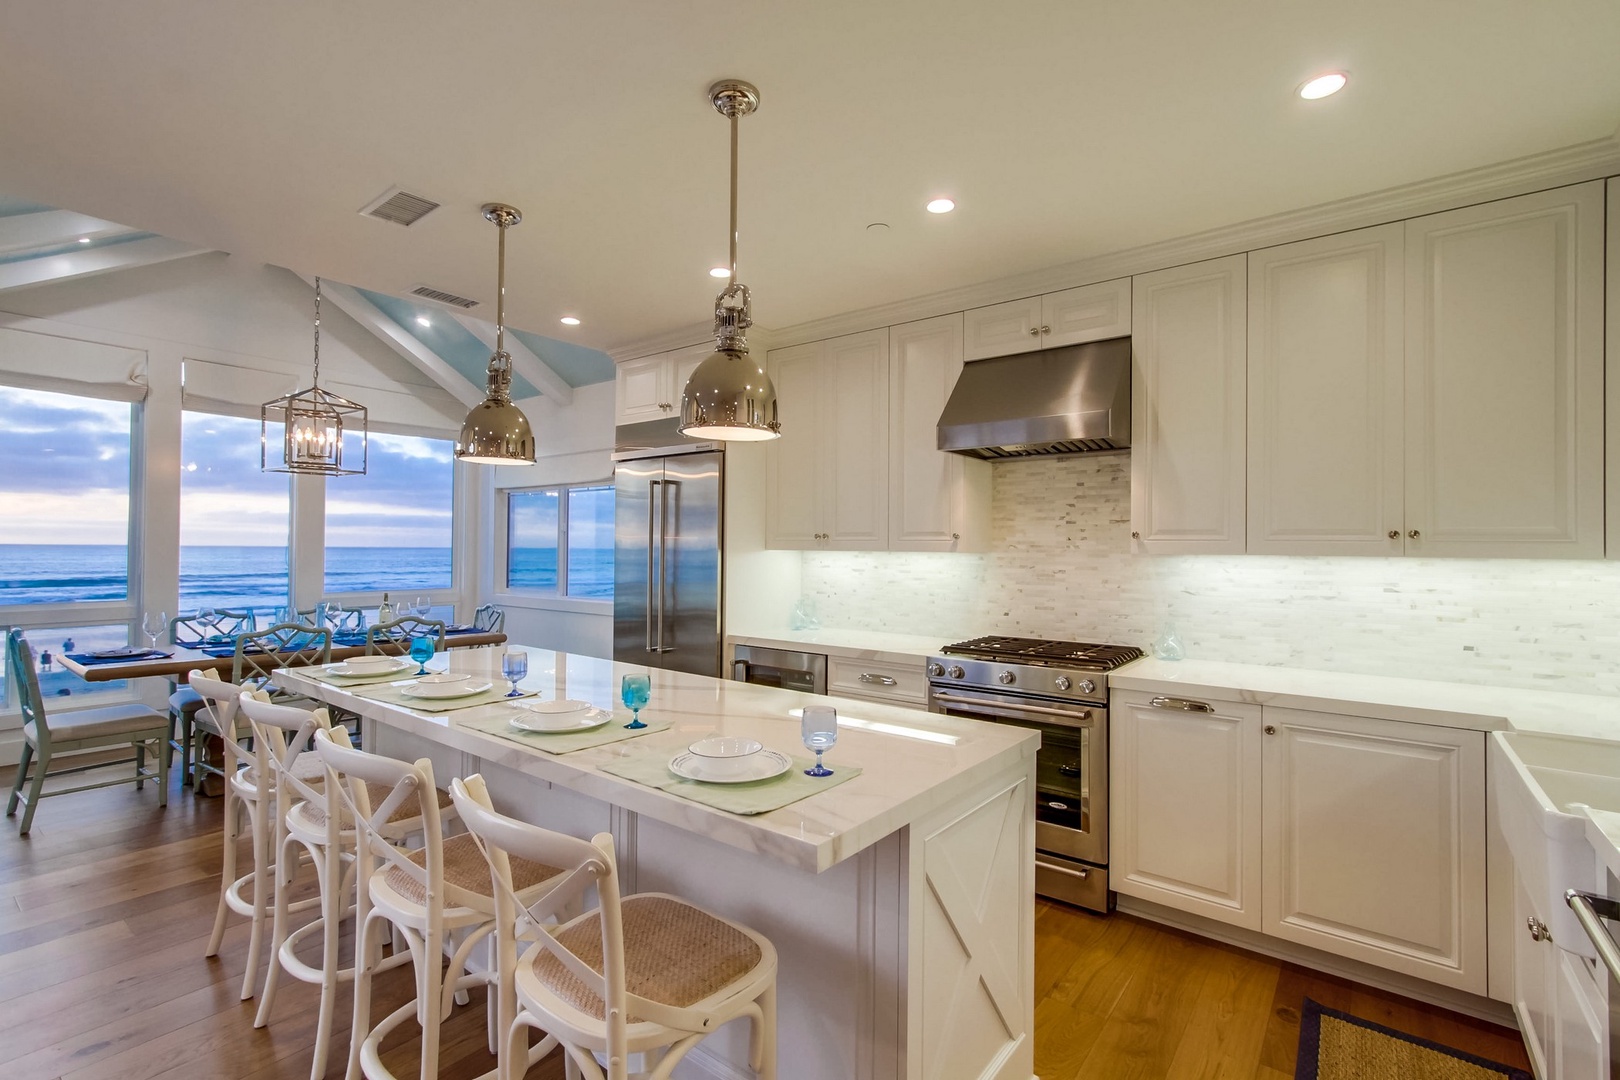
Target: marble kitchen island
{"type": "Point", "coordinates": [901, 902]}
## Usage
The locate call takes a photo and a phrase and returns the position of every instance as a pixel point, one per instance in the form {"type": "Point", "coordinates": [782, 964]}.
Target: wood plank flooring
{"type": "Point", "coordinates": [106, 908]}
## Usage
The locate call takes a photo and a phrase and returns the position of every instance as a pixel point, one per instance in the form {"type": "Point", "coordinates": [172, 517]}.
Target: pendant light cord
{"type": "Point", "coordinates": [316, 381]}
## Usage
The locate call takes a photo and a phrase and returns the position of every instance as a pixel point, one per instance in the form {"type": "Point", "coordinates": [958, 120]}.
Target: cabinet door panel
{"type": "Point", "coordinates": [1581, 1038]}
{"type": "Point", "coordinates": [1187, 402]}
{"type": "Point", "coordinates": [681, 365]}
{"type": "Point", "coordinates": [1002, 329]}
{"type": "Point", "coordinates": [642, 389]}
{"type": "Point", "coordinates": [1325, 387]}
{"type": "Point", "coordinates": [1505, 377]}
{"type": "Point", "coordinates": [1089, 313]}
{"type": "Point", "coordinates": [1533, 973]}
{"type": "Point", "coordinates": [1375, 842]}
{"type": "Point", "coordinates": [932, 494]}
{"type": "Point", "coordinates": [855, 434]}
{"type": "Point", "coordinates": [1184, 826]}
{"type": "Point", "coordinates": [797, 466]}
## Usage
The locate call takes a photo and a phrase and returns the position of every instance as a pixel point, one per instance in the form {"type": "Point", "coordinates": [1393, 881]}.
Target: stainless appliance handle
{"type": "Point", "coordinates": [652, 501]}
{"type": "Point", "coordinates": [1180, 703]}
{"type": "Point", "coordinates": [1074, 719]}
{"type": "Point", "coordinates": [663, 559]}
{"type": "Point", "coordinates": [745, 665]}
{"type": "Point", "coordinates": [1589, 910]}
{"type": "Point", "coordinates": [881, 680]}
{"type": "Point", "coordinates": [1081, 872]}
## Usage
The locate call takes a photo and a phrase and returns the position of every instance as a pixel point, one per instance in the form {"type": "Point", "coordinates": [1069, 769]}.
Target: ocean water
{"type": "Point", "coordinates": [590, 571]}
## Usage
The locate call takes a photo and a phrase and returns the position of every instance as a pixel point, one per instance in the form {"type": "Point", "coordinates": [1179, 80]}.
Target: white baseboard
{"type": "Point", "coordinates": [699, 1062]}
{"type": "Point", "coordinates": [1481, 1008]}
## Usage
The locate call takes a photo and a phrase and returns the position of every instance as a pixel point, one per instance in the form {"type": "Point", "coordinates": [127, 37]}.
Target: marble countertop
{"type": "Point", "coordinates": [912, 762]}
{"type": "Point", "coordinates": [1484, 708]}
{"type": "Point", "coordinates": [854, 644]}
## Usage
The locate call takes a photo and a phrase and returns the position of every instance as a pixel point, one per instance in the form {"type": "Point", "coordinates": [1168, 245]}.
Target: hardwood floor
{"type": "Point", "coordinates": [106, 908]}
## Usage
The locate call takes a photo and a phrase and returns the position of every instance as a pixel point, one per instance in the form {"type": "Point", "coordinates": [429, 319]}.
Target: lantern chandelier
{"type": "Point", "coordinates": [313, 424]}
{"type": "Point", "coordinates": [496, 432]}
{"type": "Point", "coordinates": [729, 397]}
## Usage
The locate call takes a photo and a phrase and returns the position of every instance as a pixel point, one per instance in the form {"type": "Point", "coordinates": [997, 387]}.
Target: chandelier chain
{"type": "Point", "coordinates": [316, 381]}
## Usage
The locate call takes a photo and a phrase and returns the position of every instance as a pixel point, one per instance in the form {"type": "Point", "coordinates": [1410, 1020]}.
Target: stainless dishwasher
{"type": "Point", "coordinates": [1596, 914]}
{"type": "Point", "coordinates": [780, 667]}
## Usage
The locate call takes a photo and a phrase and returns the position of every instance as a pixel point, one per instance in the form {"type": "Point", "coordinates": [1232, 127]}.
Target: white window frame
{"type": "Point", "coordinates": [521, 597]}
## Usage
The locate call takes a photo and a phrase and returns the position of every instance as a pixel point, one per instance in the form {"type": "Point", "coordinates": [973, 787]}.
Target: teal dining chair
{"type": "Point", "coordinates": [76, 729]}
{"type": "Point", "coordinates": [204, 626]}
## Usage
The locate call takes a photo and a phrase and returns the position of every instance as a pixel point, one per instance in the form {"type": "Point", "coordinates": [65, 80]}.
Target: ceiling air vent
{"type": "Point", "coordinates": [400, 207]}
{"type": "Point", "coordinates": [439, 296]}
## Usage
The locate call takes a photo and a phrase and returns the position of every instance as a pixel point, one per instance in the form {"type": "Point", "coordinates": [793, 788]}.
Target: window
{"type": "Point", "coordinates": [560, 541]}
{"type": "Point", "coordinates": [233, 517]}
{"type": "Point", "coordinates": [64, 483]}
{"type": "Point", "coordinates": [56, 681]}
{"type": "Point", "coordinates": [391, 528]}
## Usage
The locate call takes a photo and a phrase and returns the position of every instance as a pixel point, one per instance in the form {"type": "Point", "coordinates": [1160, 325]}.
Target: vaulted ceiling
{"type": "Point", "coordinates": [1063, 129]}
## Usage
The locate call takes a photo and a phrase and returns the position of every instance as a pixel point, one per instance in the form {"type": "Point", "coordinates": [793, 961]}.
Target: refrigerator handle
{"type": "Point", "coordinates": [652, 502]}
{"type": "Point", "coordinates": [663, 558]}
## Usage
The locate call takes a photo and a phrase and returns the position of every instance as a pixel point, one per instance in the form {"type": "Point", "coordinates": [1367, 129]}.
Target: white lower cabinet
{"type": "Point", "coordinates": [877, 680]}
{"type": "Point", "coordinates": [1357, 836]}
{"type": "Point", "coordinates": [1535, 963]}
{"type": "Point", "coordinates": [1582, 1050]}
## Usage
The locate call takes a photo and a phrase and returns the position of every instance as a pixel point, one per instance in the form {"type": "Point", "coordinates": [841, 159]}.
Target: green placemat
{"type": "Point", "coordinates": [755, 797]}
{"type": "Point", "coordinates": [564, 742]}
{"type": "Point", "coordinates": [394, 695]}
{"type": "Point", "coordinates": [333, 678]}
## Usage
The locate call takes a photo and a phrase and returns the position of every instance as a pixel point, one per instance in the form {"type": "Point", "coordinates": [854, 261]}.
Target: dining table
{"type": "Point", "coordinates": [177, 660]}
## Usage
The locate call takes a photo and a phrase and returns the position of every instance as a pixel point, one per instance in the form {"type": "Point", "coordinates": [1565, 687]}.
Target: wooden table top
{"type": "Point", "coordinates": [184, 660]}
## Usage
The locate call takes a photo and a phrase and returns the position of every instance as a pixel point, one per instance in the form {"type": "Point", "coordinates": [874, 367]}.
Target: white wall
{"type": "Point", "coordinates": [1060, 566]}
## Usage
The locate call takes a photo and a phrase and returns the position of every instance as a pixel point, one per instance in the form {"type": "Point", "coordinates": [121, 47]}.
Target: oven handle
{"type": "Point", "coordinates": [1072, 719]}
{"type": "Point", "coordinates": [1180, 703]}
{"type": "Point", "coordinates": [1081, 872]}
{"type": "Point", "coordinates": [1587, 909]}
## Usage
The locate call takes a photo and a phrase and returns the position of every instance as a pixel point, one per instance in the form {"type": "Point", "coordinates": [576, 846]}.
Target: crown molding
{"type": "Point", "coordinates": [1570, 165]}
{"type": "Point", "coordinates": [667, 341]}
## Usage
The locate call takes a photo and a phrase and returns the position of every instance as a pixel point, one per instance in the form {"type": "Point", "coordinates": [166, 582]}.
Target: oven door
{"type": "Point", "coordinates": [1071, 767]}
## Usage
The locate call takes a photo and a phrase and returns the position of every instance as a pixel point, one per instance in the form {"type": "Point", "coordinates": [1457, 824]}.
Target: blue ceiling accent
{"type": "Point", "coordinates": [578, 365]}
{"type": "Point", "coordinates": [68, 249]}
{"type": "Point", "coordinates": [460, 349]}
{"type": "Point", "coordinates": [10, 204]}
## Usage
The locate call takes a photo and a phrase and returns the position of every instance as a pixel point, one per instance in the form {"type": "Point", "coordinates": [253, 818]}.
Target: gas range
{"type": "Point", "coordinates": [1065, 670]}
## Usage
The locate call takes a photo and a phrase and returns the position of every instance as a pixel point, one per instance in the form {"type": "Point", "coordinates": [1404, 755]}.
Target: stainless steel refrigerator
{"type": "Point", "coordinates": [667, 586]}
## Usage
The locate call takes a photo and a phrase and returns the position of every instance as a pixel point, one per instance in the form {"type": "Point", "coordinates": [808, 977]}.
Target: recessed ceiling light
{"type": "Point", "coordinates": [941, 206]}
{"type": "Point", "coordinates": [877, 228]}
{"type": "Point", "coordinates": [569, 320]}
{"type": "Point", "coordinates": [1323, 85]}
{"type": "Point", "coordinates": [720, 271]}
{"type": "Point", "coordinates": [423, 320]}
{"type": "Point", "coordinates": [84, 239]}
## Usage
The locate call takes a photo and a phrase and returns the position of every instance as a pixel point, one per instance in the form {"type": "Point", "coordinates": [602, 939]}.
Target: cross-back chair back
{"type": "Point", "coordinates": [261, 653]}
{"type": "Point", "coordinates": [341, 620]}
{"type": "Point", "coordinates": [407, 783]}
{"type": "Point", "coordinates": [193, 629]}
{"type": "Point", "coordinates": [25, 684]}
{"type": "Point", "coordinates": [221, 700]}
{"type": "Point", "coordinates": [489, 619]}
{"type": "Point", "coordinates": [400, 632]}
{"type": "Point", "coordinates": [280, 734]}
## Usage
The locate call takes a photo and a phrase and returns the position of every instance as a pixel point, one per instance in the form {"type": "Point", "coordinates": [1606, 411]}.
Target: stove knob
{"type": "Point", "coordinates": [935, 670]}
{"type": "Point", "coordinates": [955, 672]}
{"type": "Point", "coordinates": [1063, 682]}
{"type": "Point", "coordinates": [1006, 678]}
{"type": "Point", "coordinates": [1087, 686]}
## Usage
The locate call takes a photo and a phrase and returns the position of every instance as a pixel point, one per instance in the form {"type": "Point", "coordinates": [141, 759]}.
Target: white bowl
{"type": "Point", "coordinates": [371, 663]}
{"type": "Point", "coordinates": [723, 755]}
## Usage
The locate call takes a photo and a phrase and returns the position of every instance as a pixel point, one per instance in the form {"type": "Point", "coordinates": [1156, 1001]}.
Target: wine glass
{"type": "Point", "coordinates": [423, 607]}
{"type": "Point", "coordinates": [634, 690]}
{"type": "Point", "coordinates": [515, 665]}
{"type": "Point", "coordinates": [421, 652]}
{"type": "Point", "coordinates": [153, 626]}
{"type": "Point", "coordinates": [818, 726]}
{"type": "Point", "coordinates": [206, 618]}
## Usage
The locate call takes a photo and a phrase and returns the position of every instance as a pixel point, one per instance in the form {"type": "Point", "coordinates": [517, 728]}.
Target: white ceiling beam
{"type": "Point", "coordinates": [91, 260]}
{"type": "Point", "coordinates": [540, 374]}
{"type": "Point", "coordinates": [52, 228]}
{"type": "Point", "coordinates": [390, 333]}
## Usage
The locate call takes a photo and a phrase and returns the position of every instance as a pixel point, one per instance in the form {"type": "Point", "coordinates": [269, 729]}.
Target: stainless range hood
{"type": "Point", "coordinates": [1056, 401]}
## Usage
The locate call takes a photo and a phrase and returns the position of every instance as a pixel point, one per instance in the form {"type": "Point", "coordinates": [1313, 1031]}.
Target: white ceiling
{"type": "Point", "coordinates": [1063, 129]}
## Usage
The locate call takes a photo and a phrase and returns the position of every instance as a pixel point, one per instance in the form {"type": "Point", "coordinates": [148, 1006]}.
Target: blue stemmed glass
{"type": "Point", "coordinates": [818, 727]}
{"type": "Point", "coordinates": [515, 666]}
{"type": "Point", "coordinates": [421, 652]}
{"type": "Point", "coordinates": [634, 690]}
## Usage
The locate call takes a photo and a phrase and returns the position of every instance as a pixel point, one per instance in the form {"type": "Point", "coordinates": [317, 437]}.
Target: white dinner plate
{"type": "Point", "coordinates": [444, 690]}
{"type": "Point", "coordinates": [553, 723]}
{"type": "Point", "coordinates": [564, 705]}
{"type": "Point", "coordinates": [444, 678]}
{"type": "Point", "coordinates": [769, 763]}
{"type": "Point", "coordinates": [349, 668]}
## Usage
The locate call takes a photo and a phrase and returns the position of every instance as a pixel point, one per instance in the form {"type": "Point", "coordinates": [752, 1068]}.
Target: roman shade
{"type": "Point", "coordinates": [34, 361]}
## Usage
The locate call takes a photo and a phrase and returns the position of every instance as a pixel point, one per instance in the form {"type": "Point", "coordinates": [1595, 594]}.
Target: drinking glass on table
{"type": "Point", "coordinates": [515, 666]}
{"type": "Point", "coordinates": [423, 607]}
{"type": "Point", "coordinates": [634, 690]}
{"type": "Point", "coordinates": [153, 626]}
{"type": "Point", "coordinates": [818, 727]}
{"type": "Point", "coordinates": [421, 652]}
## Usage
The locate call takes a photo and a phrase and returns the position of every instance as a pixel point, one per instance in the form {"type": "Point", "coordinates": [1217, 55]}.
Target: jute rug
{"type": "Point", "coordinates": [1336, 1046]}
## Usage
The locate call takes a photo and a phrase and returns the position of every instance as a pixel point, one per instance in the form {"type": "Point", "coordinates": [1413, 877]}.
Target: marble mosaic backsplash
{"type": "Point", "coordinates": [1060, 566]}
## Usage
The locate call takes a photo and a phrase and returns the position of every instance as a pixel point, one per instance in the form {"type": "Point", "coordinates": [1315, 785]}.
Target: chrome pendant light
{"type": "Point", "coordinates": [496, 432]}
{"type": "Point", "coordinates": [729, 397]}
{"type": "Point", "coordinates": [313, 423]}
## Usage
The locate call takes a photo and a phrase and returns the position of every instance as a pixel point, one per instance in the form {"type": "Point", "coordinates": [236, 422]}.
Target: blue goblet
{"type": "Point", "coordinates": [634, 690]}
{"type": "Point", "coordinates": [818, 726]}
{"type": "Point", "coordinates": [421, 652]}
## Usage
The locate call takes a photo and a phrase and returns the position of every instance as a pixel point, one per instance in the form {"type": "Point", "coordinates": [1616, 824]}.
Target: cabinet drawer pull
{"type": "Point", "coordinates": [1180, 703]}
{"type": "Point", "coordinates": [1046, 329]}
{"type": "Point", "coordinates": [1538, 929]}
{"type": "Point", "coordinates": [881, 680]}
{"type": "Point", "coordinates": [1414, 534]}
{"type": "Point", "coordinates": [1271, 729]}
{"type": "Point", "coordinates": [1394, 534]}
{"type": "Point", "coordinates": [1034, 331]}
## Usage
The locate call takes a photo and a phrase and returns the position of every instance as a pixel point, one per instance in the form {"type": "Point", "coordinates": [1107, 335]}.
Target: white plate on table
{"type": "Point", "coordinates": [761, 766]}
{"type": "Point", "coordinates": [564, 705]}
{"type": "Point", "coordinates": [444, 678]}
{"type": "Point", "coordinates": [587, 719]}
{"type": "Point", "coordinates": [423, 689]}
{"type": "Point", "coordinates": [387, 665]}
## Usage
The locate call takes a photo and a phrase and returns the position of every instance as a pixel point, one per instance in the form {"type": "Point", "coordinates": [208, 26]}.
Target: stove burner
{"type": "Point", "coordinates": [1071, 654]}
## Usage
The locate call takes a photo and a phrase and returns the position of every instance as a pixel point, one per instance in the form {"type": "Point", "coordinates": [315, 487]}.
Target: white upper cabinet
{"type": "Point", "coordinates": [1504, 377]}
{"type": "Point", "coordinates": [1187, 409]}
{"type": "Point", "coordinates": [829, 470]}
{"type": "Point", "coordinates": [1089, 313]}
{"type": "Point", "coordinates": [650, 387]}
{"type": "Point", "coordinates": [1325, 396]}
{"type": "Point", "coordinates": [937, 501]}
